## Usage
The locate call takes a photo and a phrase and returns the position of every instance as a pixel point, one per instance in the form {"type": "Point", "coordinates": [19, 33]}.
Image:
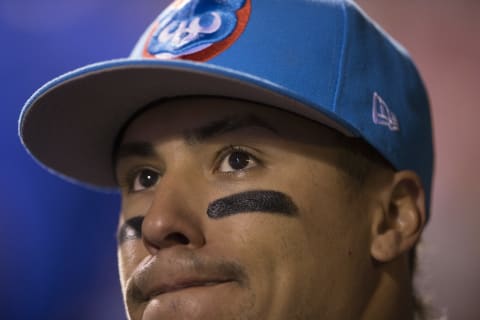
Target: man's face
{"type": "Point", "coordinates": [233, 210]}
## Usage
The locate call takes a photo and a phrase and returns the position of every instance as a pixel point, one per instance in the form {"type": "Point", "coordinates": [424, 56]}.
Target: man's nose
{"type": "Point", "coordinates": [174, 217]}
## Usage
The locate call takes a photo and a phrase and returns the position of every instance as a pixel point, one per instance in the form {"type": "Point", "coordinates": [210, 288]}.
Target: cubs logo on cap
{"type": "Point", "coordinates": [196, 30]}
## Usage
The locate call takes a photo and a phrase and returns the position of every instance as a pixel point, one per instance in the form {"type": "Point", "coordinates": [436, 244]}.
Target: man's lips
{"type": "Point", "coordinates": [180, 285]}
{"type": "Point", "coordinates": [167, 272]}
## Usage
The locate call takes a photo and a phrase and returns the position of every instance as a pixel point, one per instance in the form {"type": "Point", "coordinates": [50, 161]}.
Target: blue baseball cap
{"type": "Point", "coordinates": [323, 59]}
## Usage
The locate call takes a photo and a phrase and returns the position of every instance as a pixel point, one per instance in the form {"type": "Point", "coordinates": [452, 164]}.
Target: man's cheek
{"type": "Point", "coordinates": [130, 256]}
{"type": "Point", "coordinates": [130, 230]}
{"type": "Point", "coordinates": [255, 201]}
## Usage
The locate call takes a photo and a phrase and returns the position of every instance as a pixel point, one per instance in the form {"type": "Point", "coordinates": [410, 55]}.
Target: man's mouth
{"type": "Point", "coordinates": [181, 285]}
{"type": "Point", "coordinates": [168, 273]}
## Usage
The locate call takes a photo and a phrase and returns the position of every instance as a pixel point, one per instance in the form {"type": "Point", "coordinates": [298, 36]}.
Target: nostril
{"type": "Point", "coordinates": [177, 237]}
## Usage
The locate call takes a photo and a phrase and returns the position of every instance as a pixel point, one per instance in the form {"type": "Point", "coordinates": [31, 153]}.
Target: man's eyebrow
{"type": "Point", "coordinates": [219, 127]}
{"type": "Point", "coordinates": [134, 149]}
{"type": "Point", "coordinates": [194, 136]}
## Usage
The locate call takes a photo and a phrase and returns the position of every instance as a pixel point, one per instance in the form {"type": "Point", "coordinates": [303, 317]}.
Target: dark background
{"type": "Point", "coordinates": [57, 244]}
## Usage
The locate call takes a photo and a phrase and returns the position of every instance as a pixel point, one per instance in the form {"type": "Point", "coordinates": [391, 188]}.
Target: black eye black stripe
{"type": "Point", "coordinates": [252, 201]}
{"type": "Point", "coordinates": [266, 201]}
{"type": "Point", "coordinates": [130, 230]}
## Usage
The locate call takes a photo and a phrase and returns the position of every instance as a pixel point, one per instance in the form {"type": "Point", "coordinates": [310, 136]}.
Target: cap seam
{"type": "Point", "coordinates": [341, 62]}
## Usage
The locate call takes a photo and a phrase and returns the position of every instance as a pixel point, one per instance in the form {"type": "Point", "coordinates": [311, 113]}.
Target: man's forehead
{"type": "Point", "coordinates": [199, 118]}
{"type": "Point", "coordinates": [141, 144]}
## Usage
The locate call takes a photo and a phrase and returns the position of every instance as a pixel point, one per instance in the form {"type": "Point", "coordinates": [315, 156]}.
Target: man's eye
{"type": "Point", "coordinates": [237, 160]}
{"type": "Point", "coordinates": [144, 179]}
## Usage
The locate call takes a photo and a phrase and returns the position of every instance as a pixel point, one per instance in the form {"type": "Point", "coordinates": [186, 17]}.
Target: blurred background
{"type": "Point", "coordinates": [57, 244]}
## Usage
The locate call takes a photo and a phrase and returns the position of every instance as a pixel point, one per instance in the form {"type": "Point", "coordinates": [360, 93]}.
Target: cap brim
{"type": "Point", "coordinates": [70, 125]}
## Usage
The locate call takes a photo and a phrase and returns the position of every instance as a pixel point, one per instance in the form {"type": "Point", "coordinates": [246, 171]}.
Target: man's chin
{"type": "Point", "coordinates": [212, 301]}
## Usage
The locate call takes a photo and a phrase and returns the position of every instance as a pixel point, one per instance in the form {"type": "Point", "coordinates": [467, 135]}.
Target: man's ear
{"type": "Point", "coordinates": [398, 224]}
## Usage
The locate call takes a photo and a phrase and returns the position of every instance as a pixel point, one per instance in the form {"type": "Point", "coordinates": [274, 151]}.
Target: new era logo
{"type": "Point", "coordinates": [382, 115]}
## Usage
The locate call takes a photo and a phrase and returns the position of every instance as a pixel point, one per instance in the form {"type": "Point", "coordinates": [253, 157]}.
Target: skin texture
{"type": "Point", "coordinates": [341, 253]}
